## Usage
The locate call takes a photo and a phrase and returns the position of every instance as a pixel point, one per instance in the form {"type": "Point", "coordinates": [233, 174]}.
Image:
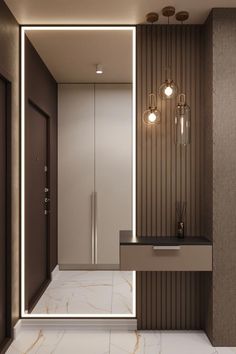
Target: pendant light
{"type": "Point", "coordinates": [152, 115]}
{"type": "Point", "coordinates": [183, 112]}
{"type": "Point", "coordinates": [168, 89]}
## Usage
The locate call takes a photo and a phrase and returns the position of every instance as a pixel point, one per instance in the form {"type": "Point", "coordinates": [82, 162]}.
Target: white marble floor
{"type": "Point", "coordinates": [113, 342]}
{"type": "Point", "coordinates": [88, 292]}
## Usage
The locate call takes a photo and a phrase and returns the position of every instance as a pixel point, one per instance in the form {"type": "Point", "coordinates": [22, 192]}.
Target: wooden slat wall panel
{"type": "Point", "coordinates": [166, 174]}
{"type": "Point", "coordinates": [170, 300]}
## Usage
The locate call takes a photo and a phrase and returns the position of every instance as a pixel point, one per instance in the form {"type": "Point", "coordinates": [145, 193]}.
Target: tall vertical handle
{"type": "Point", "coordinates": [95, 230]}
{"type": "Point", "coordinates": [92, 225]}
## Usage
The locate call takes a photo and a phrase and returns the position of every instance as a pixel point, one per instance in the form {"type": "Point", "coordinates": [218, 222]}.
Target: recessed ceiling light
{"type": "Point", "coordinates": [99, 69]}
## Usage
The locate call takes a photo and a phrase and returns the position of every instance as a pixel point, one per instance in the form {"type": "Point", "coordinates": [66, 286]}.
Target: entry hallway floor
{"type": "Point", "coordinates": [88, 292]}
{"type": "Point", "coordinates": [113, 342]}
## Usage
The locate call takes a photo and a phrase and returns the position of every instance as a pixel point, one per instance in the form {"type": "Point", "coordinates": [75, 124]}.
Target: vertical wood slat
{"type": "Point", "coordinates": [169, 300]}
{"type": "Point", "coordinates": [166, 173]}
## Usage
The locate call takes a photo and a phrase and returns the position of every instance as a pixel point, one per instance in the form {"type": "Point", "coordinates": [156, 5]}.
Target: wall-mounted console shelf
{"type": "Point", "coordinates": [166, 253]}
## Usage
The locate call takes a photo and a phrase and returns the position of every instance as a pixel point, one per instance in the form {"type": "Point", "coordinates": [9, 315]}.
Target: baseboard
{"type": "Point", "coordinates": [75, 324]}
{"type": "Point", "coordinates": [89, 266]}
{"type": "Point", "coordinates": [16, 329]}
{"type": "Point", "coordinates": [55, 272]}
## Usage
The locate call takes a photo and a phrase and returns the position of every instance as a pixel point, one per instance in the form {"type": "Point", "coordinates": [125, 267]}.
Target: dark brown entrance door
{"type": "Point", "coordinates": [5, 264]}
{"type": "Point", "coordinates": [37, 204]}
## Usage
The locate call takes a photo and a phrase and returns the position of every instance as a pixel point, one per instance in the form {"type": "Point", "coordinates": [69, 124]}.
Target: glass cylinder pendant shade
{"type": "Point", "coordinates": [152, 115]}
{"type": "Point", "coordinates": [168, 90]}
{"type": "Point", "coordinates": [182, 122]}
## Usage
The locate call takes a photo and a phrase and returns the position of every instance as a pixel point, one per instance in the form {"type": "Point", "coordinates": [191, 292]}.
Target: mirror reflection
{"type": "Point", "coordinates": [77, 168]}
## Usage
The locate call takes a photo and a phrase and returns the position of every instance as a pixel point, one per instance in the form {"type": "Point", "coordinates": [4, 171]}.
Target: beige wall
{"type": "Point", "coordinates": [9, 67]}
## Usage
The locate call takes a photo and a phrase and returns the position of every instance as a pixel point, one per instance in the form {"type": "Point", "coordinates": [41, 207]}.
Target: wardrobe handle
{"type": "Point", "coordinates": [95, 229]}
{"type": "Point", "coordinates": [92, 225]}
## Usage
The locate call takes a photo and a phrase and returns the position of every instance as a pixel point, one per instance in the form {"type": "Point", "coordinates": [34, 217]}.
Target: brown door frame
{"type": "Point", "coordinates": [31, 304]}
{"type": "Point", "coordinates": [9, 331]}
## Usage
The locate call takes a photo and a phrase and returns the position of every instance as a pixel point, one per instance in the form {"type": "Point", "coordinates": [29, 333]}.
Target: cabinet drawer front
{"type": "Point", "coordinates": [166, 258]}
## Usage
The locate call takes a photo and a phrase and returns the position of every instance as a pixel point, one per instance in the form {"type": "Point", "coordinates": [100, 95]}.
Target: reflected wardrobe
{"type": "Point", "coordinates": [94, 173]}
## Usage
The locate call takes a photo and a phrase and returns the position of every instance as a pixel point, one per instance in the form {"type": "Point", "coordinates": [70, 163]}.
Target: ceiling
{"type": "Point", "coordinates": [71, 56]}
{"type": "Point", "coordinates": [105, 11]}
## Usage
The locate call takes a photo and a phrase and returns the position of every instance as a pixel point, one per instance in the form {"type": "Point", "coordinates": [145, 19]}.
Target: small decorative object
{"type": "Point", "coordinates": [183, 112]}
{"type": "Point", "coordinates": [152, 115]}
{"type": "Point", "coordinates": [180, 211]}
{"type": "Point", "coordinates": [168, 89]}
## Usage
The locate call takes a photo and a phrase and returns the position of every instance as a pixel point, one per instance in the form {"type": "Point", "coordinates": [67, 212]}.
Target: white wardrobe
{"type": "Point", "coordinates": [94, 173]}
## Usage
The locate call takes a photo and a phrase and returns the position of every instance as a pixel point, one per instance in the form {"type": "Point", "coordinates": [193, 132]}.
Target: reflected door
{"type": "Point", "coordinates": [37, 204]}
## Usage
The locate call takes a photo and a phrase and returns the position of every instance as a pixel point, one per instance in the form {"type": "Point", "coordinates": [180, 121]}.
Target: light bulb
{"type": "Point", "coordinates": [99, 69]}
{"type": "Point", "coordinates": [152, 117]}
{"type": "Point", "coordinates": [168, 91]}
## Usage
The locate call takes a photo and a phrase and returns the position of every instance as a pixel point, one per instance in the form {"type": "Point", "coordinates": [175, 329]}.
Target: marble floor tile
{"type": "Point", "coordinates": [185, 342]}
{"type": "Point", "coordinates": [88, 292]}
{"type": "Point", "coordinates": [61, 342]}
{"type": "Point", "coordinates": [122, 292]}
{"type": "Point", "coordinates": [135, 342]}
{"type": "Point", "coordinates": [113, 342]}
{"type": "Point", "coordinates": [224, 350]}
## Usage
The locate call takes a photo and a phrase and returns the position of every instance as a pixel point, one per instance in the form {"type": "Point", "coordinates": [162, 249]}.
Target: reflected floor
{"type": "Point", "coordinates": [88, 292]}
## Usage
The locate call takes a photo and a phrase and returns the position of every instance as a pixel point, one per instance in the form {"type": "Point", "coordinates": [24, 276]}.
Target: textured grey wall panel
{"type": "Point", "coordinates": [224, 177]}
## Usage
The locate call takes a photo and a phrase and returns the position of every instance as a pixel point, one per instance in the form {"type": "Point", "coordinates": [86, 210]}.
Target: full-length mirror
{"type": "Point", "coordinates": [77, 170]}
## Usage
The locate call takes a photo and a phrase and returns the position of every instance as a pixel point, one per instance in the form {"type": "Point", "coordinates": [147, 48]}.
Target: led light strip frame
{"type": "Point", "coordinates": [75, 28]}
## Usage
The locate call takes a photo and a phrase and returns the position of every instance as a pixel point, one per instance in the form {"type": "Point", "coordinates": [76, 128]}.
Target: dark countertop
{"type": "Point", "coordinates": [126, 238]}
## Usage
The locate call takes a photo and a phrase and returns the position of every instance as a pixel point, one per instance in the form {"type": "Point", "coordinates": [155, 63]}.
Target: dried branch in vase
{"type": "Point", "coordinates": [180, 212]}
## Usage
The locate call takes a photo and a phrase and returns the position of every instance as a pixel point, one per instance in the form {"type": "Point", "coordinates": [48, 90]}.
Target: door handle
{"type": "Point", "coordinates": [92, 226]}
{"type": "Point", "coordinates": [95, 230]}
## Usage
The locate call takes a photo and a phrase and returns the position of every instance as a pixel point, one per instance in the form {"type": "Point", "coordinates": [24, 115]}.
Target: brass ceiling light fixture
{"type": "Point", "coordinates": [183, 112]}
{"type": "Point", "coordinates": [152, 115]}
{"type": "Point", "coordinates": [168, 89]}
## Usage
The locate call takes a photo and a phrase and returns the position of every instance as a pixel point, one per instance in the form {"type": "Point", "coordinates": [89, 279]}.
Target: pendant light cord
{"type": "Point", "coordinates": [151, 58]}
{"type": "Point", "coordinates": [168, 66]}
{"type": "Point", "coordinates": [181, 57]}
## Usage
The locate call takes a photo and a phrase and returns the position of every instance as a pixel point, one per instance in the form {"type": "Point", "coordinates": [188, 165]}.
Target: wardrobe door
{"type": "Point", "coordinates": [113, 167]}
{"type": "Point", "coordinates": [76, 173]}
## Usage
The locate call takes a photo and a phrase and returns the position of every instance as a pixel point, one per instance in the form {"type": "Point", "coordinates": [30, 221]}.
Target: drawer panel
{"type": "Point", "coordinates": [166, 258]}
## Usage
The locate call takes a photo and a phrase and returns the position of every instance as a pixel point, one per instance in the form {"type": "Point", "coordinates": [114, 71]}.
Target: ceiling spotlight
{"type": "Point", "coordinates": [99, 69]}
